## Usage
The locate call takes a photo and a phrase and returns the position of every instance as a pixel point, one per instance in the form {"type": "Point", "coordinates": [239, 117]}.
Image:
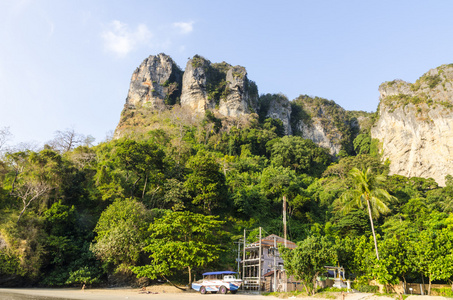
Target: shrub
{"type": "Point", "coordinates": [445, 292]}
{"type": "Point", "coordinates": [365, 288]}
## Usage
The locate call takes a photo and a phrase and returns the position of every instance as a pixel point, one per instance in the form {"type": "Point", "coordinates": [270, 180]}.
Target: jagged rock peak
{"type": "Point", "coordinates": [218, 86]}
{"type": "Point", "coordinates": [433, 86]}
{"type": "Point", "coordinates": [156, 82]}
{"type": "Point", "coordinates": [414, 125]}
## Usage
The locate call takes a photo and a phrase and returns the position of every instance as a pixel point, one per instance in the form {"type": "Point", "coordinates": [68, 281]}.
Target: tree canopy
{"type": "Point", "coordinates": [173, 202]}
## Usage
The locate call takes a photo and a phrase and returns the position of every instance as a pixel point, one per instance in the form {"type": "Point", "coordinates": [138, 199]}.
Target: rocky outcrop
{"type": "Point", "coordinates": [318, 134]}
{"type": "Point", "coordinates": [156, 83]}
{"type": "Point", "coordinates": [241, 94]}
{"type": "Point", "coordinates": [218, 86]}
{"type": "Point", "coordinates": [322, 121]}
{"type": "Point", "coordinates": [194, 93]}
{"type": "Point", "coordinates": [415, 125]}
{"type": "Point", "coordinates": [276, 106]}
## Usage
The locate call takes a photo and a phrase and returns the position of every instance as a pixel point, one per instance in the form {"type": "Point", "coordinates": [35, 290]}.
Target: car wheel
{"type": "Point", "coordinates": [203, 290]}
{"type": "Point", "coordinates": [223, 290]}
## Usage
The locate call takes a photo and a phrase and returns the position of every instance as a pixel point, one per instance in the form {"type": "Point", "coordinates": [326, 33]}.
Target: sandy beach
{"type": "Point", "coordinates": [122, 294]}
{"type": "Point", "coordinates": [164, 293]}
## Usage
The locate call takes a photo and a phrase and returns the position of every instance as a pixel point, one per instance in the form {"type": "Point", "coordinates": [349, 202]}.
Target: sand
{"type": "Point", "coordinates": [171, 293]}
{"type": "Point", "coordinates": [155, 292]}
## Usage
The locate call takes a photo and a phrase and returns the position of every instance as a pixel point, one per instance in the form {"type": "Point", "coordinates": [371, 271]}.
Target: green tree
{"type": "Point", "coordinates": [395, 261]}
{"type": "Point", "coordinates": [181, 240]}
{"type": "Point", "coordinates": [274, 125]}
{"type": "Point", "coordinates": [367, 191]}
{"type": "Point", "coordinates": [364, 260]}
{"type": "Point", "coordinates": [432, 254]}
{"type": "Point", "coordinates": [176, 194]}
{"type": "Point", "coordinates": [309, 259]}
{"type": "Point", "coordinates": [362, 144]}
{"type": "Point", "coordinates": [143, 158]}
{"type": "Point", "coordinates": [206, 184]}
{"type": "Point", "coordinates": [301, 155]}
{"type": "Point", "coordinates": [84, 275]}
{"type": "Point", "coordinates": [278, 184]}
{"type": "Point", "coordinates": [41, 173]}
{"type": "Point", "coordinates": [121, 232]}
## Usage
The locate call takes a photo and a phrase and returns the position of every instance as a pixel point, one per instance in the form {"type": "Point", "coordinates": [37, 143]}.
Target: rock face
{"type": "Point", "coordinates": [277, 106]}
{"type": "Point", "coordinates": [194, 86]}
{"type": "Point", "coordinates": [242, 95]}
{"type": "Point", "coordinates": [322, 121]}
{"type": "Point", "coordinates": [415, 125]}
{"type": "Point", "coordinates": [219, 87]}
{"type": "Point", "coordinates": [156, 82]}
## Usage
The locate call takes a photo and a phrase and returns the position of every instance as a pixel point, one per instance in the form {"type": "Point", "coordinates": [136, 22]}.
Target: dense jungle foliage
{"type": "Point", "coordinates": [173, 202]}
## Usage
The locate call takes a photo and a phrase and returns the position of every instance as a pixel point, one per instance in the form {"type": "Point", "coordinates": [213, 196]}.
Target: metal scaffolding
{"type": "Point", "coordinates": [260, 260]}
{"type": "Point", "coordinates": [251, 264]}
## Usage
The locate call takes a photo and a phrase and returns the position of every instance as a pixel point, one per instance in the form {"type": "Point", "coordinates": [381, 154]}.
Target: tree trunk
{"type": "Point", "coordinates": [144, 188]}
{"type": "Point", "coordinates": [429, 286]}
{"type": "Point", "coordinates": [173, 283]}
{"type": "Point", "coordinates": [25, 207]}
{"type": "Point", "coordinates": [14, 182]}
{"type": "Point", "coordinates": [372, 228]}
{"type": "Point", "coordinates": [306, 287]}
{"type": "Point", "coordinates": [314, 283]}
{"type": "Point", "coordinates": [133, 187]}
{"type": "Point", "coordinates": [423, 284]}
{"type": "Point", "coordinates": [20, 215]}
{"type": "Point", "coordinates": [190, 276]}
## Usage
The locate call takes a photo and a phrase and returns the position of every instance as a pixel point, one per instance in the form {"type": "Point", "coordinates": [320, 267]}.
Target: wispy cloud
{"type": "Point", "coordinates": [121, 40]}
{"type": "Point", "coordinates": [184, 27]}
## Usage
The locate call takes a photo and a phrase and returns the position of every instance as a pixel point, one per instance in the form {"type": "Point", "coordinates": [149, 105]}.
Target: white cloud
{"type": "Point", "coordinates": [184, 27]}
{"type": "Point", "coordinates": [119, 39]}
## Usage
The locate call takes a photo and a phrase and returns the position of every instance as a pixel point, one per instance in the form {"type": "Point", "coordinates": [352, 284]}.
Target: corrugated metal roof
{"type": "Point", "coordinates": [268, 241]}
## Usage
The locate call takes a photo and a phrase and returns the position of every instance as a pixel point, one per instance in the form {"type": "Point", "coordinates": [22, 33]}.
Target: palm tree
{"type": "Point", "coordinates": [367, 191]}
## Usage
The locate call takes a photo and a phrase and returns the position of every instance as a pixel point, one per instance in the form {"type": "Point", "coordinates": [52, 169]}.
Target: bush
{"type": "Point", "coordinates": [85, 275]}
{"type": "Point", "coordinates": [364, 288]}
{"type": "Point", "coordinates": [445, 292]}
{"type": "Point", "coordinates": [10, 264]}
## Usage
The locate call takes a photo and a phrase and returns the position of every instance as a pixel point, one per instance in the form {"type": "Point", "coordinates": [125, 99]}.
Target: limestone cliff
{"type": "Point", "coordinates": [242, 95]}
{"type": "Point", "coordinates": [415, 125]}
{"type": "Point", "coordinates": [218, 86]}
{"type": "Point", "coordinates": [194, 93]}
{"type": "Point", "coordinates": [156, 83]}
{"type": "Point", "coordinates": [322, 121]}
{"type": "Point", "coordinates": [276, 106]}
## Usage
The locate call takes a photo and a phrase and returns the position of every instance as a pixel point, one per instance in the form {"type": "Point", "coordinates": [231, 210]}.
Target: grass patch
{"type": "Point", "coordinates": [285, 295]}
{"type": "Point", "coordinates": [332, 289]}
{"type": "Point", "coordinates": [445, 292]}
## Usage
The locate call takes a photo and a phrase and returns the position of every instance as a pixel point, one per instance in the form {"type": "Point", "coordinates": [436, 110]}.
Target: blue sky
{"type": "Point", "coordinates": [67, 64]}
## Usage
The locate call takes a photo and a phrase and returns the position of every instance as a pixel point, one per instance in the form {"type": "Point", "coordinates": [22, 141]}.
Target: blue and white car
{"type": "Point", "coordinates": [220, 281]}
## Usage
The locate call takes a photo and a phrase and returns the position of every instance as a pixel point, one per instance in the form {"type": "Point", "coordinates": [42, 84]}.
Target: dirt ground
{"type": "Point", "coordinates": [166, 292]}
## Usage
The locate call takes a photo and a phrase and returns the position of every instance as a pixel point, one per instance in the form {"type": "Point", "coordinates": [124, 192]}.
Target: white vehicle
{"type": "Point", "coordinates": [221, 281]}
